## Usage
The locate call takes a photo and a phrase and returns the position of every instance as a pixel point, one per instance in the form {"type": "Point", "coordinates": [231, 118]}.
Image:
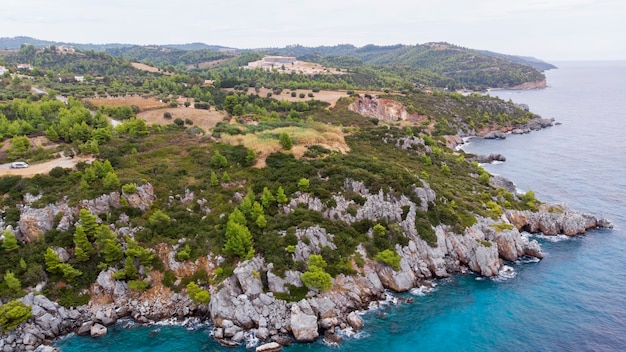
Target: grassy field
{"type": "Point", "coordinates": [142, 103]}
{"type": "Point", "coordinates": [266, 142]}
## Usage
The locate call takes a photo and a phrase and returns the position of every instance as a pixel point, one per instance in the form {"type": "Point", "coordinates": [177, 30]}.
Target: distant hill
{"type": "Point", "coordinates": [15, 43]}
{"type": "Point", "coordinates": [431, 64]}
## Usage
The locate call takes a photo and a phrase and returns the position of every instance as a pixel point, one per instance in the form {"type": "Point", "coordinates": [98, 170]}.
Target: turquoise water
{"type": "Point", "coordinates": [572, 300]}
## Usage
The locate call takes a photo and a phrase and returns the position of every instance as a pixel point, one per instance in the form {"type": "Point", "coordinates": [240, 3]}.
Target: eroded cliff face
{"type": "Point", "coordinates": [384, 109]}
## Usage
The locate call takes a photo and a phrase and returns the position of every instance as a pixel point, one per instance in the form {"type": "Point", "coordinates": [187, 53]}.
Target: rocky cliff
{"type": "Point", "coordinates": [246, 305]}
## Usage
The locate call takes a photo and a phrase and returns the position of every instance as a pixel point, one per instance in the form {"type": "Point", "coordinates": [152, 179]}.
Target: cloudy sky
{"type": "Point", "coordinates": [547, 29]}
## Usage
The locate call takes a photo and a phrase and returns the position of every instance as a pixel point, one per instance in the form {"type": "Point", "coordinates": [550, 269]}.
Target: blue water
{"type": "Point", "coordinates": [572, 300]}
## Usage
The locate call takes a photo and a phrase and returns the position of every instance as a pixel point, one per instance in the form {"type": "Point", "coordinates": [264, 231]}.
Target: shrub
{"type": "Point", "coordinates": [310, 95]}
{"type": "Point", "coordinates": [167, 115]}
{"type": "Point", "coordinates": [13, 314]}
{"type": "Point", "coordinates": [390, 258]}
{"type": "Point", "coordinates": [285, 141]}
{"type": "Point", "coordinates": [138, 285]}
{"type": "Point", "coordinates": [293, 94]}
{"type": "Point", "coordinates": [179, 122]}
{"type": "Point", "coordinates": [316, 278]}
{"type": "Point", "coordinates": [188, 122]}
{"type": "Point", "coordinates": [129, 188]}
{"type": "Point", "coordinates": [301, 95]}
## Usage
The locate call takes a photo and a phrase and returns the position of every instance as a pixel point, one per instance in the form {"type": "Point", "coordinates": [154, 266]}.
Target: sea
{"type": "Point", "coordinates": [574, 299]}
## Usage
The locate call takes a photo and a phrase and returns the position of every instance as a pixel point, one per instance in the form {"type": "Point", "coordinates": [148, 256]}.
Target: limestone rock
{"type": "Point", "coordinates": [85, 329]}
{"type": "Point", "coordinates": [355, 321]}
{"type": "Point", "coordinates": [248, 274]}
{"type": "Point", "coordinates": [303, 322]}
{"type": "Point", "coordinates": [269, 347]}
{"type": "Point", "coordinates": [495, 135]}
{"type": "Point", "coordinates": [98, 330]}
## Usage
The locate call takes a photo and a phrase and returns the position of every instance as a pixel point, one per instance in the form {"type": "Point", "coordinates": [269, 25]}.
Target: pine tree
{"type": "Point", "coordinates": [10, 242]}
{"type": "Point", "coordinates": [225, 177]}
{"type": "Point", "coordinates": [52, 260]}
{"type": "Point", "coordinates": [214, 180]}
{"type": "Point", "coordinates": [257, 210]}
{"type": "Point", "coordinates": [111, 182]}
{"type": "Point", "coordinates": [84, 249]}
{"type": "Point", "coordinates": [13, 283]}
{"type": "Point", "coordinates": [261, 222]}
{"type": "Point", "coordinates": [239, 241]}
{"type": "Point", "coordinates": [267, 198]}
{"type": "Point", "coordinates": [112, 251]}
{"type": "Point", "coordinates": [89, 223]}
{"type": "Point", "coordinates": [281, 198]}
{"type": "Point", "coordinates": [130, 270]}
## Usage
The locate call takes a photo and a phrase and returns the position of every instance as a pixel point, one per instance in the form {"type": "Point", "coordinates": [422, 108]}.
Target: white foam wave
{"type": "Point", "coordinates": [527, 260]}
{"type": "Point", "coordinates": [390, 299]}
{"type": "Point", "coordinates": [350, 333]}
{"type": "Point", "coordinates": [556, 238]}
{"type": "Point", "coordinates": [251, 341]}
{"type": "Point", "coordinates": [506, 273]}
{"type": "Point", "coordinates": [423, 290]}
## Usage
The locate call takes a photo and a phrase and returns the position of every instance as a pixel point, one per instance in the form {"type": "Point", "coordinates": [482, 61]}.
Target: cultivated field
{"type": "Point", "coordinates": [142, 103]}
{"type": "Point", "coordinates": [144, 67]}
{"type": "Point", "coordinates": [204, 119]}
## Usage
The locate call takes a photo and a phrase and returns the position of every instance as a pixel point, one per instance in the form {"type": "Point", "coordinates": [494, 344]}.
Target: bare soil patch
{"type": "Point", "coordinates": [45, 167]}
{"type": "Point", "coordinates": [144, 67]}
{"type": "Point", "coordinates": [207, 64]}
{"type": "Point", "coordinates": [328, 96]}
{"type": "Point", "coordinates": [204, 119]}
{"type": "Point", "coordinates": [142, 103]}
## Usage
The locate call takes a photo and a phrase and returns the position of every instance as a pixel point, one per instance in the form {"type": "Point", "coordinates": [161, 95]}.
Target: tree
{"type": "Point", "coordinates": [316, 278]}
{"type": "Point", "coordinates": [261, 222]}
{"type": "Point", "coordinates": [10, 242]}
{"type": "Point", "coordinates": [13, 314]}
{"type": "Point", "coordinates": [218, 161]}
{"type": "Point", "coordinates": [257, 210]}
{"type": "Point", "coordinates": [136, 251]}
{"type": "Point", "coordinates": [281, 198]}
{"type": "Point", "coordinates": [267, 198]}
{"type": "Point", "coordinates": [14, 284]}
{"type": "Point", "coordinates": [52, 261]}
{"type": "Point", "coordinates": [69, 272]}
{"type": "Point", "coordinates": [379, 230]}
{"type": "Point", "coordinates": [198, 295]}
{"type": "Point", "coordinates": [303, 184]}
{"type": "Point", "coordinates": [130, 271]}
{"type": "Point", "coordinates": [20, 146]}
{"type": "Point", "coordinates": [239, 241]}
{"type": "Point", "coordinates": [214, 179]}
{"type": "Point", "coordinates": [111, 182]}
{"type": "Point", "coordinates": [285, 141]}
{"type": "Point", "coordinates": [84, 250]}
{"type": "Point", "coordinates": [112, 251]}
{"type": "Point", "coordinates": [103, 234]}
{"type": "Point", "coordinates": [159, 219]}
{"type": "Point", "coordinates": [225, 177]}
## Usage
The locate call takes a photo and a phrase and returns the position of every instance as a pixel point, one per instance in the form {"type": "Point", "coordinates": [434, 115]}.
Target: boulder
{"type": "Point", "coordinates": [84, 329]}
{"type": "Point", "coordinates": [495, 135]}
{"type": "Point", "coordinates": [303, 322]}
{"type": "Point", "coordinates": [269, 347]}
{"type": "Point", "coordinates": [355, 321]}
{"type": "Point", "coordinates": [98, 330]}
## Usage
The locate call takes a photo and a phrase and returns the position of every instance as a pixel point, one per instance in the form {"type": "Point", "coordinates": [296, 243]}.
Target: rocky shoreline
{"type": "Point", "coordinates": [245, 306]}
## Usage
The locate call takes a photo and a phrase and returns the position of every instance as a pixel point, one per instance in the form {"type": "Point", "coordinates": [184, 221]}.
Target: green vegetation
{"type": "Point", "coordinates": [13, 314]}
{"type": "Point", "coordinates": [245, 172]}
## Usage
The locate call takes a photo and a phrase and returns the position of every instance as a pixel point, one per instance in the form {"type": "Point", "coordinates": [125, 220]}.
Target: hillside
{"type": "Point", "coordinates": [440, 65]}
{"type": "Point", "coordinates": [263, 208]}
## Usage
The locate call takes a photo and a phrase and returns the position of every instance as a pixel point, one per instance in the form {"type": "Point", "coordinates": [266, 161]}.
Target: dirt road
{"type": "Point", "coordinates": [42, 168]}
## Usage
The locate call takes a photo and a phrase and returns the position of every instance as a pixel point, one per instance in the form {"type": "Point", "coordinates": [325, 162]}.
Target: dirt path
{"type": "Point", "coordinates": [42, 168]}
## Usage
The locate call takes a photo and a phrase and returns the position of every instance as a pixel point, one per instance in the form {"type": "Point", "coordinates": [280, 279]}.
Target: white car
{"type": "Point", "coordinates": [19, 165]}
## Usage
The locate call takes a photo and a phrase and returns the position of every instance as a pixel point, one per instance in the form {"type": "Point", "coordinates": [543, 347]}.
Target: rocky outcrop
{"type": "Point", "coordinates": [487, 159]}
{"type": "Point", "coordinates": [495, 135]}
{"type": "Point", "coordinates": [49, 321]}
{"type": "Point", "coordinates": [554, 220]}
{"type": "Point", "coordinates": [98, 330]}
{"type": "Point", "coordinates": [384, 109]}
{"type": "Point", "coordinates": [36, 221]}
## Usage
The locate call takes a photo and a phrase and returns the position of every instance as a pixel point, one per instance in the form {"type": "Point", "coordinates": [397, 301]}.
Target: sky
{"type": "Point", "coordinates": [546, 29]}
